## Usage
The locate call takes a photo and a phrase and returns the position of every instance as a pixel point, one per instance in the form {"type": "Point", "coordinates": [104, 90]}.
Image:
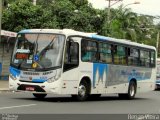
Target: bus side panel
{"type": "Point", "coordinates": [70, 81]}
{"type": "Point", "coordinates": [88, 70]}
{"type": "Point", "coordinates": [115, 78]}
{"type": "Point", "coordinates": [147, 84]}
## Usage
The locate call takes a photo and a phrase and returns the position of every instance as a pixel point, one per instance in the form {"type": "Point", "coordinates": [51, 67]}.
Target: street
{"type": "Point", "coordinates": [25, 103]}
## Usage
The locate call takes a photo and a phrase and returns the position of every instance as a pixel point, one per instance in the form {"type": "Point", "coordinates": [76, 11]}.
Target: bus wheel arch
{"type": "Point", "coordinates": [88, 80]}
{"type": "Point", "coordinates": [84, 89]}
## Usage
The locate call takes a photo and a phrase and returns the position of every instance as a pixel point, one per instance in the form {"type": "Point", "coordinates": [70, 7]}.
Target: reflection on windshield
{"type": "Point", "coordinates": [38, 51]}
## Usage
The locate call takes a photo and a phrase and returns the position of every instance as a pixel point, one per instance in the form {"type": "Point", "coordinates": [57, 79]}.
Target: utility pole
{"type": "Point", "coordinates": [109, 7]}
{"type": "Point", "coordinates": [109, 11]}
{"type": "Point", "coordinates": [157, 43]}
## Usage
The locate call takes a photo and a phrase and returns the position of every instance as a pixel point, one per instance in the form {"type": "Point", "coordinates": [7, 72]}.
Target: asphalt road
{"type": "Point", "coordinates": [25, 103]}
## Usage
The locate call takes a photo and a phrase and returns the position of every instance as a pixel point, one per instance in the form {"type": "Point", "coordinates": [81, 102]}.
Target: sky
{"type": "Point", "coordinates": [148, 7]}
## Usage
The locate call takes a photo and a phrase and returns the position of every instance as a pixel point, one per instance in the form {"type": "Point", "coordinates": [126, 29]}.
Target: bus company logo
{"type": "Point", "coordinates": [9, 117]}
{"type": "Point", "coordinates": [30, 73]}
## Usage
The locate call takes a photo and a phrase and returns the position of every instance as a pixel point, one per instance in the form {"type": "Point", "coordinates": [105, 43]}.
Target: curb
{"type": "Point", "coordinates": [4, 89]}
{"type": "Point", "coordinates": [1, 89]}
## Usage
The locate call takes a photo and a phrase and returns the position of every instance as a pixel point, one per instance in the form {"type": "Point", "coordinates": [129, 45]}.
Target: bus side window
{"type": "Point", "coordinates": [89, 51]}
{"type": "Point", "coordinates": [120, 55]}
{"type": "Point", "coordinates": [144, 58]}
{"type": "Point", "coordinates": [133, 56]}
{"type": "Point", "coordinates": [152, 59]}
{"type": "Point", "coordinates": [105, 55]}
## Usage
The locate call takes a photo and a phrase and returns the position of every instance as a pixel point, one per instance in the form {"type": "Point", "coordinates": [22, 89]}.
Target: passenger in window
{"type": "Point", "coordinates": [89, 55]}
{"type": "Point", "coordinates": [86, 56]}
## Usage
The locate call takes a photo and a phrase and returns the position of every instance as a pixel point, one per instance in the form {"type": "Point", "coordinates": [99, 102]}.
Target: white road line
{"type": "Point", "coordinates": [10, 107]}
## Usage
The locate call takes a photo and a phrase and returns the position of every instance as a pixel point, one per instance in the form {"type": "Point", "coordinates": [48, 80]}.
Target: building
{"type": "Point", "coordinates": [7, 42]}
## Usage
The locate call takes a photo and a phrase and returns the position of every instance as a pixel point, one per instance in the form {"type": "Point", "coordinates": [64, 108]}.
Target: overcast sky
{"type": "Point", "coordinates": [150, 7]}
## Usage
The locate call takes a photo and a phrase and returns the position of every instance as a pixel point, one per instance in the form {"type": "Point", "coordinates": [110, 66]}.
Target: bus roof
{"type": "Point", "coordinates": [122, 41]}
{"type": "Point", "coordinates": [59, 31]}
{"type": "Point", "coordinates": [69, 32]}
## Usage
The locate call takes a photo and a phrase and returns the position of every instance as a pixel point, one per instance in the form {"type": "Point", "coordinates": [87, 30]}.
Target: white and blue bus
{"type": "Point", "coordinates": [80, 64]}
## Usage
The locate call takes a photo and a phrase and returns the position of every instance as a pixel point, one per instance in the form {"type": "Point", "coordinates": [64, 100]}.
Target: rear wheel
{"type": "Point", "coordinates": [131, 91]}
{"type": "Point", "coordinates": [83, 91]}
{"type": "Point", "coordinates": [39, 96]}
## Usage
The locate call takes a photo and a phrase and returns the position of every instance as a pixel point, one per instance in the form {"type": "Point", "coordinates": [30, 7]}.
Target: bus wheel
{"type": "Point", "coordinates": [39, 96]}
{"type": "Point", "coordinates": [131, 91]}
{"type": "Point", "coordinates": [83, 91]}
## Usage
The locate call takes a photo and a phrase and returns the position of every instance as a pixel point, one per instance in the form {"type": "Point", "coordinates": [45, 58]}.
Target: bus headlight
{"type": "Point", "coordinates": [12, 77]}
{"type": "Point", "coordinates": [53, 79]}
{"type": "Point", "coordinates": [50, 80]}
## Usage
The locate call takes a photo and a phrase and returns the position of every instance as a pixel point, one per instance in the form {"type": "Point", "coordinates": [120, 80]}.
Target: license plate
{"type": "Point", "coordinates": [30, 88]}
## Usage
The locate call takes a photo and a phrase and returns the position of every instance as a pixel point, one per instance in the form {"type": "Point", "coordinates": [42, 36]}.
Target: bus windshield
{"type": "Point", "coordinates": [38, 51]}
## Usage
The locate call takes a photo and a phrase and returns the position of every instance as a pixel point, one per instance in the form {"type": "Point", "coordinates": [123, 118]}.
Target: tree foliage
{"type": "Point", "coordinates": [79, 15]}
{"type": "Point", "coordinates": [24, 15]}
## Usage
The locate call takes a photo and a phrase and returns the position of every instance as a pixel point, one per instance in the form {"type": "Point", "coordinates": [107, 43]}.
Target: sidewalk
{"type": "Point", "coordinates": [4, 86]}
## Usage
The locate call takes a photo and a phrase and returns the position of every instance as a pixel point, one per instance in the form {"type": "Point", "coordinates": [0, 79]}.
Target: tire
{"type": "Point", "coordinates": [83, 91]}
{"type": "Point", "coordinates": [39, 96]}
{"type": "Point", "coordinates": [131, 91]}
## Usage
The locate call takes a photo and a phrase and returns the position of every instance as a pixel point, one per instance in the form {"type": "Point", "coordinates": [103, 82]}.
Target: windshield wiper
{"type": "Point", "coordinates": [48, 46]}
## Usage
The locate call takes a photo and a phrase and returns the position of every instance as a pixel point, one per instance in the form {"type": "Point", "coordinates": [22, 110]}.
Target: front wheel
{"type": "Point", "coordinates": [39, 96]}
{"type": "Point", "coordinates": [83, 91]}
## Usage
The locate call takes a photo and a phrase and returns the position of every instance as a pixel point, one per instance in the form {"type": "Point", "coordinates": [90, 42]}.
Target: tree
{"type": "Point", "coordinates": [79, 15]}
{"type": "Point", "coordinates": [122, 24]}
{"type": "Point", "coordinates": [23, 14]}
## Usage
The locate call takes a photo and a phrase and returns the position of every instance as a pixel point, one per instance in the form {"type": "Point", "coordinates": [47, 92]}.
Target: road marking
{"type": "Point", "coordinates": [1, 108]}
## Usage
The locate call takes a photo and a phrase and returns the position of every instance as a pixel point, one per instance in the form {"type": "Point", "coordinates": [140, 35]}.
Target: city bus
{"type": "Point", "coordinates": [83, 65]}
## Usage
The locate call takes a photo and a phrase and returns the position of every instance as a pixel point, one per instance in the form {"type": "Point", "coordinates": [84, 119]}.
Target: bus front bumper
{"type": "Point", "coordinates": [34, 87]}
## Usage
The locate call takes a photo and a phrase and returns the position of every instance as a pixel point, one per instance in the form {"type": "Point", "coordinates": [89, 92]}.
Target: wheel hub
{"type": "Point", "coordinates": [132, 91]}
{"type": "Point", "coordinates": [82, 90]}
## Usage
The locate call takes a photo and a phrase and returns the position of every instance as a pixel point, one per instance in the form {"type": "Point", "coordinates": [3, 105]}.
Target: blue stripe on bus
{"type": "Point", "coordinates": [15, 72]}
{"type": "Point", "coordinates": [99, 37]}
{"type": "Point", "coordinates": [101, 69]}
{"type": "Point", "coordinates": [38, 80]}
{"type": "Point", "coordinates": [25, 31]}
